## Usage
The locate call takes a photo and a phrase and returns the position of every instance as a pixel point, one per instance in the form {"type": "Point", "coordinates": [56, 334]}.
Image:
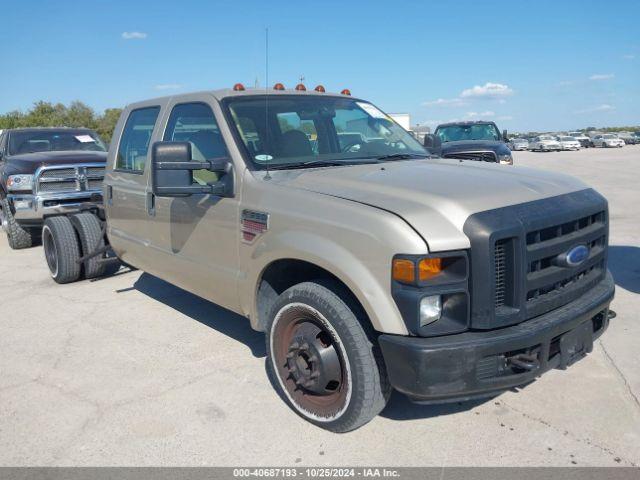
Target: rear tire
{"type": "Point", "coordinates": [321, 360]}
{"type": "Point", "coordinates": [90, 235]}
{"type": "Point", "coordinates": [17, 236]}
{"type": "Point", "coordinates": [61, 249]}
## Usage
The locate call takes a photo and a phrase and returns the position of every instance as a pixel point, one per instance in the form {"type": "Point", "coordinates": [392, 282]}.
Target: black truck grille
{"type": "Point", "coordinates": [518, 256]}
{"type": "Point", "coordinates": [486, 156]}
{"type": "Point", "coordinates": [77, 178]}
{"type": "Point", "coordinates": [500, 265]}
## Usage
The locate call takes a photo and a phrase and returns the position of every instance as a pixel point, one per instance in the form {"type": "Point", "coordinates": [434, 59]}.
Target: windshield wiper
{"type": "Point", "coordinates": [404, 156]}
{"type": "Point", "coordinates": [317, 163]}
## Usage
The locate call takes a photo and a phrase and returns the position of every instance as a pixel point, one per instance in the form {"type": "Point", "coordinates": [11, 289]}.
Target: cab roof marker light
{"type": "Point", "coordinates": [320, 89]}
{"type": "Point", "coordinates": [238, 87]}
{"type": "Point", "coordinates": [278, 86]}
{"type": "Point", "coordinates": [301, 88]}
{"type": "Point", "coordinates": [346, 91]}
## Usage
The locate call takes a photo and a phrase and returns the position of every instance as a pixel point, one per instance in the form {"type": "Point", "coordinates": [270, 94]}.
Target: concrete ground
{"type": "Point", "coordinates": [129, 370]}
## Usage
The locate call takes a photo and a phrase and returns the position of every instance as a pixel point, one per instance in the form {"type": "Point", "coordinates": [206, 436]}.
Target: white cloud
{"type": "Point", "coordinates": [168, 86]}
{"type": "Point", "coordinates": [485, 114]}
{"type": "Point", "coordinates": [600, 108]}
{"type": "Point", "coordinates": [488, 90]}
{"type": "Point", "coordinates": [505, 118]}
{"type": "Point", "coordinates": [629, 57]}
{"type": "Point", "coordinates": [601, 76]}
{"type": "Point", "coordinates": [445, 102]}
{"type": "Point", "coordinates": [134, 35]}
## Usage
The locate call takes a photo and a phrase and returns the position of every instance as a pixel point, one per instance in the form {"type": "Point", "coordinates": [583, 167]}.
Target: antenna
{"type": "Point", "coordinates": [266, 96]}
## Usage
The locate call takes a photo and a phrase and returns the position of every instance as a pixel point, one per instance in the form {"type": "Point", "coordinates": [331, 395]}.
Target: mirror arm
{"type": "Point", "coordinates": [219, 165]}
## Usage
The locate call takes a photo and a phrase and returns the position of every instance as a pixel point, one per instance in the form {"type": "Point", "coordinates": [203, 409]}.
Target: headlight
{"type": "Point", "coordinates": [430, 309]}
{"type": "Point", "coordinates": [429, 270]}
{"type": "Point", "coordinates": [20, 183]}
{"type": "Point", "coordinates": [505, 159]}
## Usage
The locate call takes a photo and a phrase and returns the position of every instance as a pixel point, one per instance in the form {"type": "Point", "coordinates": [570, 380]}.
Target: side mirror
{"type": "Point", "coordinates": [172, 172]}
{"type": "Point", "coordinates": [504, 136]}
{"type": "Point", "coordinates": [433, 143]}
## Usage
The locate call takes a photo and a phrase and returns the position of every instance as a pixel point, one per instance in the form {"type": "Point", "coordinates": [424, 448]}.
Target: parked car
{"type": "Point", "coordinates": [367, 268]}
{"type": "Point", "coordinates": [43, 172]}
{"type": "Point", "coordinates": [518, 144]}
{"type": "Point", "coordinates": [608, 140]}
{"type": "Point", "coordinates": [585, 141]}
{"type": "Point", "coordinates": [471, 141]}
{"type": "Point", "coordinates": [629, 138]}
{"type": "Point", "coordinates": [568, 143]}
{"type": "Point", "coordinates": [545, 143]}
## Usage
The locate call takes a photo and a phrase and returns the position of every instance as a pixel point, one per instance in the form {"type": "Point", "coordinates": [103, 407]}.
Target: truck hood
{"type": "Point", "coordinates": [28, 163]}
{"type": "Point", "coordinates": [474, 145]}
{"type": "Point", "coordinates": [435, 196]}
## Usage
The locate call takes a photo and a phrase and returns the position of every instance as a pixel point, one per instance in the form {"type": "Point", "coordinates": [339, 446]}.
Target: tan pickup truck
{"type": "Point", "coordinates": [368, 263]}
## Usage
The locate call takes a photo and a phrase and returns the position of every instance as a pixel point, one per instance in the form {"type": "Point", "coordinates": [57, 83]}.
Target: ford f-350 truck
{"type": "Point", "coordinates": [368, 263]}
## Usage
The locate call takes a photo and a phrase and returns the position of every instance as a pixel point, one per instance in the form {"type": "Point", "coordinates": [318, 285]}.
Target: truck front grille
{"type": "Point", "coordinates": [518, 256]}
{"type": "Point", "coordinates": [500, 264]}
{"type": "Point", "coordinates": [69, 178]}
{"type": "Point", "coordinates": [549, 283]}
{"type": "Point", "coordinates": [484, 156]}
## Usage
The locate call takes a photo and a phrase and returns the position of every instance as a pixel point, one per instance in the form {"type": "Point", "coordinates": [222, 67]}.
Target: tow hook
{"type": "Point", "coordinates": [611, 314]}
{"type": "Point", "coordinates": [524, 361]}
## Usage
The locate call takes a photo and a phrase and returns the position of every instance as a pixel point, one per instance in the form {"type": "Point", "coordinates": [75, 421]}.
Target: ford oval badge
{"type": "Point", "coordinates": [574, 257]}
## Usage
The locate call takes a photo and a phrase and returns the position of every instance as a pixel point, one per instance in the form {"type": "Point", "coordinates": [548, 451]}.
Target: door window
{"type": "Point", "coordinates": [134, 144]}
{"type": "Point", "coordinates": [196, 124]}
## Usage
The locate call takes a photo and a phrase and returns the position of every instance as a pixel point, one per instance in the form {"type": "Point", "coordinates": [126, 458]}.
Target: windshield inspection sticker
{"type": "Point", "coordinates": [371, 110]}
{"type": "Point", "coordinates": [85, 138]}
{"type": "Point", "coordinates": [264, 158]}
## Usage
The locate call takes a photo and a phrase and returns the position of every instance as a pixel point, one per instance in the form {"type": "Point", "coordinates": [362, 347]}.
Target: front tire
{"type": "Point", "coordinates": [61, 249]}
{"type": "Point", "coordinates": [17, 236]}
{"type": "Point", "coordinates": [322, 361]}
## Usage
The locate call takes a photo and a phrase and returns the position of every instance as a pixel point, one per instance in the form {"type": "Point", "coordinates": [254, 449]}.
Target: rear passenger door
{"type": "Point", "coordinates": [197, 235]}
{"type": "Point", "coordinates": [126, 197]}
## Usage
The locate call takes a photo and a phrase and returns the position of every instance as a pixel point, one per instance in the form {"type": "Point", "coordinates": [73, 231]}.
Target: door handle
{"type": "Point", "coordinates": [109, 195]}
{"type": "Point", "coordinates": [151, 204]}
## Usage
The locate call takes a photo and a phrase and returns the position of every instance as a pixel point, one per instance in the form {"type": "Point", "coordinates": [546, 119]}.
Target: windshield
{"type": "Point", "coordinates": [567, 139]}
{"type": "Point", "coordinates": [546, 137]}
{"type": "Point", "coordinates": [282, 131]}
{"type": "Point", "coordinates": [477, 131]}
{"type": "Point", "coordinates": [609, 136]}
{"type": "Point", "coordinates": [29, 141]}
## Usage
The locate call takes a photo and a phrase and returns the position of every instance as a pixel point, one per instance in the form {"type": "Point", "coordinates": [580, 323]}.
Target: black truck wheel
{"type": "Point", "coordinates": [91, 239]}
{"type": "Point", "coordinates": [18, 236]}
{"type": "Point", "coordinates": [61, 249]}
{"type": "Point", "coordinates": [321, 360]}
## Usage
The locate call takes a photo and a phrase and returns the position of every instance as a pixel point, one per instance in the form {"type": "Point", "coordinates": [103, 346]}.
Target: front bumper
{"type": "Point", "coordinates": [31, 210]}
{"type": "Point", "coordinates": [476, 364]}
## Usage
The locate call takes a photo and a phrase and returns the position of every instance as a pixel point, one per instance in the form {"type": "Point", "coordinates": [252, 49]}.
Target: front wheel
{"type": "Point", "coordinates": [17, 236]}
{"type": "Point", "coordinates": [321, 360]}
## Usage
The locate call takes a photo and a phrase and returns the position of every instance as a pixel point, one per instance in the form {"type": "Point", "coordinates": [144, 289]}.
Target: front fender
{"type": "Point", "coordinates": [368, 281]}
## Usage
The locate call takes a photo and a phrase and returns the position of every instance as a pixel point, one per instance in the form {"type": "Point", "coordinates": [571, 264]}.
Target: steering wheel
{"type": "Point", "coordinates": [350, 145]}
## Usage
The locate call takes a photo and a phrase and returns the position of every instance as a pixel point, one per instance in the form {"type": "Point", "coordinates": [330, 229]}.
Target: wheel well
{"type": "Point", "coordinates": [283, 274]}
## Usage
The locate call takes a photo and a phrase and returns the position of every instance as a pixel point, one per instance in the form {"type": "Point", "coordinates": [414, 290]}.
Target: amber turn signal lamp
{"type": "Point", "coordinates": [346, 91]}
{"type": "Point", "coordinates": [320, 89]}
{"type": "Point", "coordinates": [278, 86]}
{"type": "Point", "coordinates": [301, 88]}
{"type": "Point", "coordinates": [238, 87]}
{"type": "Point", "coordinates": [404, 270]}
{"type": "Point", "coordinates": [429, 268]}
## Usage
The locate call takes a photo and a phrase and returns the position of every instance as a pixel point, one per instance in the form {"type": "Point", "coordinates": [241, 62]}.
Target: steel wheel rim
{"type": "Point", "coordinates": [50, 252]}
{"type": "Point", "coordinates": [305, 352]}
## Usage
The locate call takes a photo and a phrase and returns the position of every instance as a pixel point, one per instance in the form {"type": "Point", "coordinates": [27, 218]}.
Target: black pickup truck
{"type": "Point", "coordinates": [43, 172]}
{"type": "Point", "coordinates": [477, 140]}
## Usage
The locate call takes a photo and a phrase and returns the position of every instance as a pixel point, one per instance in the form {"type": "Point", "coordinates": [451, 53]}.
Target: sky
{"type": "Point", "coordinates": [536, 65]}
